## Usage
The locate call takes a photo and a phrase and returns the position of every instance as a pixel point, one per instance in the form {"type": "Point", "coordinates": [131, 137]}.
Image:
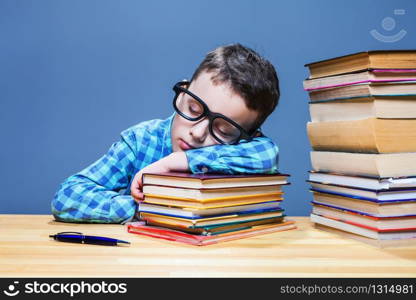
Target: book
{"type": "Point", "coordinates": [364, 182]}
{"type": "Point", "coordinates": [373, 223]}
{"type": "Point", "coordinates": [360, 230]}
{"type": "Point", "coordinates": [376, 59]}
{"type": "Point", "coordinates": [194, 213]}
{"type": "Point", "coordinates": [210, 194]}
{"type": "Point", "coordinates": [374, 208]}
{"type": "Point", "coordinates": [373, 242]}
{"type": "Point", "coordinates": [364, 90]}
{"type": "Point", "coordinates": [208, 204]}
{"type": "Point", "coordinates": [203, 240]}
{"type": "Point", "coordinates": [382, 107]}
{"type": "Point", "coordinates": [366, 136]}
{"type": "Point", "coordinates": [207, 221]}
{"type": "Point", "coordinates": [217, 229]}
{"type": "Point", "coordinates": [364, 164]}
{"type": "Point", "coordinates": [201, 181]}
{"type": "Point", "coordinates": [363, 136]}
{"type": "Point", "coordinates": [367, 76]}
{"type": "Point", "coordinates": [379, 195]}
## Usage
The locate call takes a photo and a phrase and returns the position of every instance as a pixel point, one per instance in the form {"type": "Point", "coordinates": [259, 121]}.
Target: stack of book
{"type": "Point", "coordinates": [202, 209]}
{"type": "Point", "coordinates": [363, 135]}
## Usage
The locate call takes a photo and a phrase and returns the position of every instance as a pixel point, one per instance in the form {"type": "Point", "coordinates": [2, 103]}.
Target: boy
{"type": "Point", "coordinates": [215, 129]}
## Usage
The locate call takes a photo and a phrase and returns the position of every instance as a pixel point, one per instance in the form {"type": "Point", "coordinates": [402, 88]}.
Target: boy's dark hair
{"type": "Point", "coordinates": [250, 76]}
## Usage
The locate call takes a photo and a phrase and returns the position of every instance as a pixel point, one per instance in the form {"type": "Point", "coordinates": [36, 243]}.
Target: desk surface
{"type": "Point", "coordinates": [27, 251]}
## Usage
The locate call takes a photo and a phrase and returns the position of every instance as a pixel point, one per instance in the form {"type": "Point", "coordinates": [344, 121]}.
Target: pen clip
{"type": "Point", "coordinates": [66, 232]}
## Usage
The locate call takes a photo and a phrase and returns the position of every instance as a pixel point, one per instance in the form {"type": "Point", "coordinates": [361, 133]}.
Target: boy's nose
{"type": "Point", "coordinates": [199, 130]}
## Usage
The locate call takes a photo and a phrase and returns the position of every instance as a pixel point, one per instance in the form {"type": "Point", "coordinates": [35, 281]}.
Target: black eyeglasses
{"type": "Point", "coordinates": [193, 108]}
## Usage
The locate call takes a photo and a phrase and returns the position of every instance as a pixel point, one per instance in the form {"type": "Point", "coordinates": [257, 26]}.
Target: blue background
{"type": "Point", "coordinates": [74, 74]}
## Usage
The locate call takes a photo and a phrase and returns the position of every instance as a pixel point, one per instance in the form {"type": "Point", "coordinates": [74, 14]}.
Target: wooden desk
{"type": "Point", "coordinates": [27, 251]}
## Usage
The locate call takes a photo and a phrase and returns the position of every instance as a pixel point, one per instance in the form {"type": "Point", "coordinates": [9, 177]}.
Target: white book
{"type": "Point", "coordinates": [363, 182]}
{"type": "Point", "coordinates": [400, 107]}
{"type": "Point", "coordinates": [363, 164]}
{"type": "Point", "coordinates": [362, 231]}
{"type": "Point", "coordinates": [379, 223]}
{"type": "Point", "coordinates": [365, 193]}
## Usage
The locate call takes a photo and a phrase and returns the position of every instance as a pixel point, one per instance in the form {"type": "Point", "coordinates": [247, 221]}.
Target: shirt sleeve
{"type": "Point", "coordinates": [260, 155]}
{"type": "Point", "coordinates": [92, 195]}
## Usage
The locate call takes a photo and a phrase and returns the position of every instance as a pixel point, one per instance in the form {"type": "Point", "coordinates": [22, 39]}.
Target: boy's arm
{"type": "Point", "coordinates": [257, 156]}
{"type": "Point", "coordinates": [92, 194]}
{"type": "Point", "coordinates": [175, 161]}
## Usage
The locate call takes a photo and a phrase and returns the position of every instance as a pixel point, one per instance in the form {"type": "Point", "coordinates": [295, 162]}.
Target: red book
{"type": "Point", "coordinates": [202, 240]}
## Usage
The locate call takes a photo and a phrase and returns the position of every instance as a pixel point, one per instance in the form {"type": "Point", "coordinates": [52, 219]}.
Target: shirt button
{"type": "Point", "coordinates": [204, 169]}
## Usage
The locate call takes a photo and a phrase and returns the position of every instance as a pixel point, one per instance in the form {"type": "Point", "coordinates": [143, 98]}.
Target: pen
{"type": "Point", "coordinates": [78, 237]}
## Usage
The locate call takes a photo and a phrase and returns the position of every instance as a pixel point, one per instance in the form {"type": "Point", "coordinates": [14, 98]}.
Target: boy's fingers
{"type": "Point", "coordinates": [138, 180]}
{"type": "Point", "coordinates": [141, 196]}
{"type": "Point", "coordinates": [135, 188]}
{"type": "Point", "coordinates": [135, 193]}
{"type": "Point", "coordinates": [139, 199]}
{"type": "Point", "coordinates": [138, 195]}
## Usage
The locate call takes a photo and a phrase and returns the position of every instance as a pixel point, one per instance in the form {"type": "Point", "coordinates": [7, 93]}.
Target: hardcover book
{"type": "Point", "coordinates": [364, 182]}
{"type": "Point", "coordinates": [363, 230]}
{"type": "Point", "coordinates": [366, 60]}
{"type": "Point", "coordinates": [387, 107]}
{"type": "Point", "coordinates": [202, 240]}
{"type": "Point", "coordinates": [375, 208]}
{"type": "Point", "coordinates": [211, 181]}
{"type": "Point", "coordinates": [365, 90]}
{"type": "Point", "coordinates": [364, 136]}
{"type": "Point", "coordinates": [213, 220]}
{"type": "Point", "coordinates": [381, 224]}
{"type": "Point", "coordinates": [368, 76]}
{"type": "Point", "coordinates": [384, 165]}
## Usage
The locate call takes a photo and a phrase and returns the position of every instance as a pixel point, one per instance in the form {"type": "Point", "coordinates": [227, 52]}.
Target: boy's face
{"type": "Point", "coordinates": [219, 99]}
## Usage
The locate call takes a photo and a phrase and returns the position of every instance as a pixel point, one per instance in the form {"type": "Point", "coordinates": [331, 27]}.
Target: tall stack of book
{"type": "Point", "coordinates": [202, 209]}
{"type": "Point", "coordinates": [363, 136]}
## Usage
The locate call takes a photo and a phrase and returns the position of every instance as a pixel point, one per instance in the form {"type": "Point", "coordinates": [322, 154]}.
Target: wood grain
{"type": "Point", "coordinates": [27, 251]}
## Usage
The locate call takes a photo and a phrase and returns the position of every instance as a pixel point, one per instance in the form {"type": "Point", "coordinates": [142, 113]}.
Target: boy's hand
{"type": "Point", "coordinates": [176, 161]}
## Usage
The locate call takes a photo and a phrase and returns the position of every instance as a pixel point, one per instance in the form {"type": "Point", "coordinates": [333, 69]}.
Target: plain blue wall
{"type": "Point", "coordinates": [74, 74]}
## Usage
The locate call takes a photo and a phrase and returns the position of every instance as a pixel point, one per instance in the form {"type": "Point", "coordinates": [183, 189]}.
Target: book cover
{"type": "Point", "coordinates": [218, 220]}
{"type": "Point", "coordinates": [218, 229]}
{"type": "Point", "coordinates": [368, 76]}
{"type": "Point", "coordinates": [376, 196]}
{"type": "Point", "coordinates": [362, 230]}
{"type": "Point", "coordinates": [208, 195]}
{"type": "Point", "coordinates": [178, 214]}
{"type": "Point", "coordinates": [200, 240]}
{"type": "Point", "coordinates": [365, 90]}
{"type": "Point", "coordinates": [375, 223]}
{"type": "Point", "coordinates": [189, 204]}
{"type": "Point", "coordinates": [192, 213]}
{"type": "Point", "coordinates": [361, 212]}
{"type": "Point", "coordinates": [206, 181]}
{"type": "Point", "coordinates": [361, 61]}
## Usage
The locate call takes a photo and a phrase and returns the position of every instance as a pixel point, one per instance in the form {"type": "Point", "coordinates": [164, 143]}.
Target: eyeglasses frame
{"type": "Point", "coordinates": [178, 89]}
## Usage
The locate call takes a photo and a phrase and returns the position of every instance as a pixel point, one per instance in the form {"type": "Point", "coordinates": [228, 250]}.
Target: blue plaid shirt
{"type": "Point", "coordinates": [101, 192]}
